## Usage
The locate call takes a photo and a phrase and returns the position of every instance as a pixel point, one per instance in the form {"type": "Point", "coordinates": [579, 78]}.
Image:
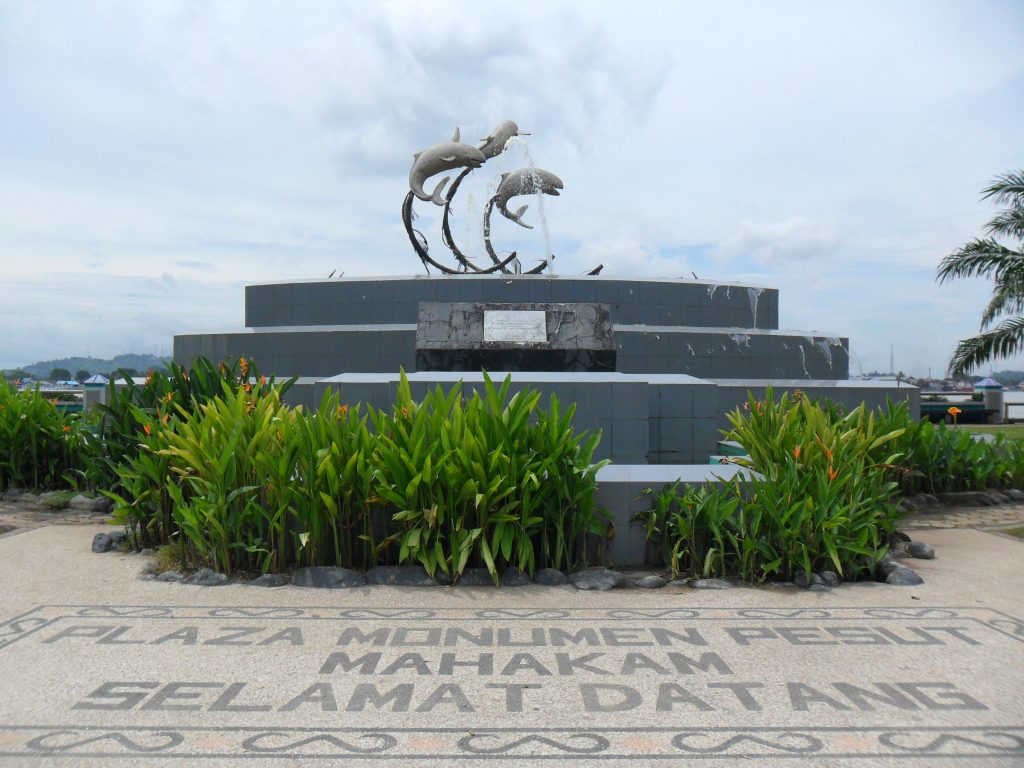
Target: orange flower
{"type": "Point", "coordinates": [243, 365]}
{"type": "Point", "coordinates": [263, 380]}
{"type": "Point", "coordinates": [184, 374]}
{"type": "Point", "coordinates": [250, 405]}
{"type": "Point", "coordinates": [796, 452]}
{"type": "Point", "coordinates": [342, 411]}
{"type": "Point", "coordinates": [66, 429]}
{"type": "Point", "coordinates": [954, 411]}
{"type": "Point", "coordinates": [149, 377]}
{"type": "Point", "coordinates": [166, 418]}
{"type": "Point", "coordinates": [247, 387]}
{"type": "Point", "coordinates": [832, 474]}
{"type": "Point", "coordinates": [147, 430]}
{"type": "Point", "coordinates": [168, 397]}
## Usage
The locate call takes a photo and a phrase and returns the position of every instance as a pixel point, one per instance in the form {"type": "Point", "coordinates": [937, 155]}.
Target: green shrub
{"type": "Point", "coordinates": [486, 481]}
{"type": "Point", "coordinates": [822, 497]}
{"type": "Point", "coordinates": [38, 446]}
{"type": "Point", "coordinates": [243, 482]}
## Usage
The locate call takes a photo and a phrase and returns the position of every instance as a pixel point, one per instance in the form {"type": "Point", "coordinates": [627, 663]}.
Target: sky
{"type": "Point", "coordinates": [157, 156]}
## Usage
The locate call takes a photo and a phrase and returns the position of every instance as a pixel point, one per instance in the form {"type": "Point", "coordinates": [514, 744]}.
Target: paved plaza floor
{"type": "Point", "coordinates": [100, 666]}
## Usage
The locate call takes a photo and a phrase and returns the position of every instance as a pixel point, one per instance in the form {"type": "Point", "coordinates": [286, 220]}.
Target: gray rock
{"type": "Point", "coordinates": [85, 504]}
{"type": "Point", "coordinates": [205, 577]}
{"type": "Point", "coordinates": [711, 584]}
{"type": "Point", "coordinates": [600, 579]}
{"type": "Point", "coordinates": [11, 494]}
{"type": "Point", "coordinates": [327, 577]}
{"type": "Point", "coordinates": [830, 578]}
{"type": "Point", "coordinates": [147, 552]}
{"type": "Point", "coordinates": [400, 576]}
{"type": "Point", "coordinates": [679, 583]}
{"type": "Point", "coordinates": [920, 550]}
{"type": "Point", "coordinates": [903, 577]}
{"type": "Point", "coordinates": [999, 498]}
{"type": "Point", "coordinates": [470, 577]}
{"type": "Point", "coordinates": [651, 582]}
{"type": "Point", "coordinates": [780, 584]}
{"type": "Point", "coordinates": [269, 580]}
{"type": "Point", "coordinates": [819, 588]}
{"type": "Point", "coordinates": [550, 577]}
{"type": "Point", "coordinates": [170, 576]}
{"type": "Point", "coordinates": [967, 499]}
{"type": "Point", "coordinates": [1014, 494]}
{"type": "Point", "coordinates": [887, 565]}
{"type": "Point", "coordinates": [899, 549]}
{"type": "Point", "coordinates": [801, 579]}
{"type": "Point", "coordinates": [514, 577]}
{"type": "Point", "coordinates": [101, 543]}
{"type": "Point", "coordinates": [118, 537]}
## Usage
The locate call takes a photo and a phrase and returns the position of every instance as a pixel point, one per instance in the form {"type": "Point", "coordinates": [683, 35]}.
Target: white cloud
{"type": "Point", "coordinates": [832, 151]}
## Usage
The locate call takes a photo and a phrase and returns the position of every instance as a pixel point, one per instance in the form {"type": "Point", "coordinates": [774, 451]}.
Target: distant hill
{"type": "Point", "coordinates": [1008, 377]}
{"type": "Point", "coordinates": [96, 365]}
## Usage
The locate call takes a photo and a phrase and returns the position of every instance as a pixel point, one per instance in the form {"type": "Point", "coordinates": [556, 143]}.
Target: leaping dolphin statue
{"type": "Point", "coordinates": [494, 144]}
{"type": "Point", "coordinates": [524, 181]}
{"type": "Point", "coordinates": [441, 157]}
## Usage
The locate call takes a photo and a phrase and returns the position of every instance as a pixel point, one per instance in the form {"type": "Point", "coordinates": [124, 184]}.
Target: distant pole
{"type": "Point", "coordinates": [892, 364]}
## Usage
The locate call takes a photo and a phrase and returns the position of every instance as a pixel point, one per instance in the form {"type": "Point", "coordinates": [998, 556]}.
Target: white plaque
{"type": "Point", "coordinates": [518, 327]}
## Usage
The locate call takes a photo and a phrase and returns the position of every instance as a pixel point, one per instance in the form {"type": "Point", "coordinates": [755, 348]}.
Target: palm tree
{"type": "Point", "coordinates": [984, 257]}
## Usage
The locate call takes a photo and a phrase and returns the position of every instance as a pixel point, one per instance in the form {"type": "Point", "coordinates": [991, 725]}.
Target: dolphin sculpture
{"type": "Point", "coordinates": [524, 181]}
{"type": "Point", "coordinates": [441, 157]}
{"type": "Point", "coordinates": [494, 144]}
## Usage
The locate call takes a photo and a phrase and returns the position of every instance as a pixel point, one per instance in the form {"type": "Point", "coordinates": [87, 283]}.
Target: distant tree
{"type": "Point", "coordinates": [17, 374]}
{"type": "Point", "coordinates": [82, 375]}
{"type": "Point", "coordinates": [130, 371]}
{"type": "Point", "coordinates": [988, 258]}
{"type": "Point", "coordinates": [59, 374]}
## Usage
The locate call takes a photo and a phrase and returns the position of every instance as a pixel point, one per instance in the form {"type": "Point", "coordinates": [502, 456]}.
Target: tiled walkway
{"type": "Point", "coordinates": [967, 517]}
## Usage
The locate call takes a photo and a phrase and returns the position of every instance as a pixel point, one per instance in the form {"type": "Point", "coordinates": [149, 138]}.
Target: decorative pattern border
{"type": "Point", "coordinates": [521, 744]}
{"type": "Point", "coordinates": [28, 623]}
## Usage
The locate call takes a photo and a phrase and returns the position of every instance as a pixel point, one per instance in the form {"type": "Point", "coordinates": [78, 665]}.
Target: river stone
{"type": "Point", "coordinates": [471, 577]}
{"type": "Point", "coordinates": [118, 536]}
{"type": "Point", "coordinates": [829, 578]}
{"type": "Point", "coordinates": [11, 494]}
{"type": "Point", "coordinates": [967, 499]}
{"type": "Point", "coordinates": [887, 565]}
{"type": "Point", "coordinates": [514, 577]}
{"type": "Point", "coordinates": [85, 504]}
{"type": "Point", "coordinates": [1014, 494]}
{"type": "Point", "coordinates": [327, 577]}
{"type": "Point", "coordinates": [269, 580]}
{"type": "Point", "coordinates": [400, 576]}
{"type": "Point", "coordinates": [711, 584]}
{"type": "Point", "coordinates": [170, 576]}
{"type": "Point", "coordinates": [101, 543]}
{"type": "Point", "coordinates": [600, 579]}
{"type": "Point", "coordinates": [550, 577]}
{"type": "Point", "coordinates": [903, 577]}
{"type": "Point", "coordinates": [998, 497]}
{"type": "Point", "coordinates": [147, 551]}
{"type": "Point", "coordinates": [801, 579]}
{"type": "Point", "coordinates": [205, 577]}
{"type": "Point", "coordinates": [920, 550]}
{"type": "Point", "coordinates": [653, 581]}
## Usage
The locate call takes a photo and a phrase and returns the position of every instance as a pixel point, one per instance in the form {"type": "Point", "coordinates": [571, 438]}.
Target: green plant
{"type": "Point", "coordinates": [37, 443]}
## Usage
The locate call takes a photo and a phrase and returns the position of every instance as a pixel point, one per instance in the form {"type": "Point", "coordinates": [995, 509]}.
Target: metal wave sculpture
{"type": "Point", "coordinates": [451, 155]}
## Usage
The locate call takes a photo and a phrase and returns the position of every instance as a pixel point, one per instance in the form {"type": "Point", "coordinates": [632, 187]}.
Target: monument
{"type": "Point", "coordinates": [655, 363]}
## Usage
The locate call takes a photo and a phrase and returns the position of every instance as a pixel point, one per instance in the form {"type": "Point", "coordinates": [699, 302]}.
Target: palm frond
{"type": "Point", "coordinates": [982, 258]}
{"type": "Point", "coordinates": [1001, 342]}
{"type": "Point", "coordinates": [1009, 223]}
{"type": "Point", "coordinates": [1009, 187]}
{"type": "Point", "coordinates": [1007, 299]}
